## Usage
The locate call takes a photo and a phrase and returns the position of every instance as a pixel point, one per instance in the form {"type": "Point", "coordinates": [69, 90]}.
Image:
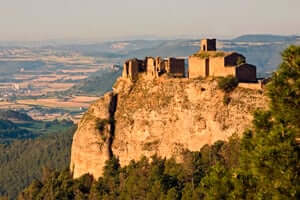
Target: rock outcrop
{"type": "Point", "coordinates": [163, 116]}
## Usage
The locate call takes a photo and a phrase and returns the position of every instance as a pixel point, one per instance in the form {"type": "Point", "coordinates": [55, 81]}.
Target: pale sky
{"type": "Point", "coordinates": [108, 19]}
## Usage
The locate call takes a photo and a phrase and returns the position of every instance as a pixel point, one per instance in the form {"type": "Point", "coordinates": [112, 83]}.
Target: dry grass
{"type": "Point", "coordinates": [54, 103]}
{"type": "Point", "coordinates": [58, 86]}
{"type": "Point", "coordinates": [23, 76]}
{"type": "Point", "coordinates": [9, 105]}
{"type": "Point", "coordinates": [75, 77]}
{"type": "Point", "coordinates": [84, 99]}
{"type": "Point", "coordinates": [52, 77]}
{"type": "Point", "coordinates": [75, 102]}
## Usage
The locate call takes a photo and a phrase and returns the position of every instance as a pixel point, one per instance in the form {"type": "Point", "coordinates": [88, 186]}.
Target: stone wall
{"type": "Point", "coordinates": [196, 67]}
{"type": "Point", "coordinates": [151, 67]}
{"type": "Point", "coordinates": [131, 69]}
{"type": "Point", "coordinates": [217, 68]}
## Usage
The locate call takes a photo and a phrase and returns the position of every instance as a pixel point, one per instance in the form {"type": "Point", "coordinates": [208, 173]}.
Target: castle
{"type": "Point", "coordinates": [206, 62]}
{"type": "Point", "coordinates": [210, 62]}
{"type": "Point", "coordinates": [153, 67]}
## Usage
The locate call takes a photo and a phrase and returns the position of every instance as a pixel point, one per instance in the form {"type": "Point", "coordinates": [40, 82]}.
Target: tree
{"type": "Point", "coordinates": [217, 184]}
{"type": "Point", "coordinates": [269, 161]}
{"type": "Point", "coordinates": [107, 186]}
{"type": "Point", "coordinates": [284, 89]}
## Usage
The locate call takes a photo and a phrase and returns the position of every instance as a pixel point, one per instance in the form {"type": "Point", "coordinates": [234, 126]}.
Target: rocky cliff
{"type": "Point", "coordinates": [163, 116]}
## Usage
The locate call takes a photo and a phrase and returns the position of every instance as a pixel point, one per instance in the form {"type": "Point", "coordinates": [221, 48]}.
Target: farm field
{"type": "Point", "coordinates": [35, 80]}
{"type": "Point", "coordinates": [68, 103]}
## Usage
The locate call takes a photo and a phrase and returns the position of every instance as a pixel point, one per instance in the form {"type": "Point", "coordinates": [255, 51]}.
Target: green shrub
{"type": "Point", "coordinates": [101, 123]}
{"type": "Point", "coordinates": [228, 84]}
{"type": "Point", "coordinates": [226, 99]}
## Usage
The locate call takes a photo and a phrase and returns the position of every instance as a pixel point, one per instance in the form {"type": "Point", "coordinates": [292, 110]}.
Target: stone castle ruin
{"type": "Point", "coordinates": [153, 67]}
{"type": "Point", "coordinates": [207, 62]}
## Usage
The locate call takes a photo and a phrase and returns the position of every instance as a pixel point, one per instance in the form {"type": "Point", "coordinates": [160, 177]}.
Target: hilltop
{"type": "Point", "coordinates": [163, 116]}
{"type": "Point", "coordinates": [156, 108]}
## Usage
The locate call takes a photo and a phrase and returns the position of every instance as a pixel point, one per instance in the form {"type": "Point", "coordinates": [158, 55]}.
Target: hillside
{"type": "Point", "coordinates": [164, 116]}
{"type": "Point", "coordinates": [21, 161]}
{"type": "Point", "coordinates": [16, 125]}
{"type": "Point", "coordinates": [96, 84]}
{"type": "Point", "coordinates": [14, 116]}
{"type": "Point", "coordinates": [264, 38]}
{"type": "Point", "coordinates": [27, 146]}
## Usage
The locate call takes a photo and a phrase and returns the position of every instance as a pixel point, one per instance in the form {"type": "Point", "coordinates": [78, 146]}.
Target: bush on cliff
{"type": "Point", "coordinates": [228, 84]}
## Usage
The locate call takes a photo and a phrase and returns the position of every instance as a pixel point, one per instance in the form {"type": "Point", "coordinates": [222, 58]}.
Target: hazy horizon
{"type": "Point", "coordinates": [33, 20]}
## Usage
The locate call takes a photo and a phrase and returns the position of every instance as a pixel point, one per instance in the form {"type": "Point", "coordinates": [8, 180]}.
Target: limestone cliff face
{"type": "Point", "coordinates": [163, 116]}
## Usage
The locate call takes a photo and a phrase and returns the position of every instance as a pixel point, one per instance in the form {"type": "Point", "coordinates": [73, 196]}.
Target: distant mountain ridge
{"type": "Point", "coordinates": [265, 38]}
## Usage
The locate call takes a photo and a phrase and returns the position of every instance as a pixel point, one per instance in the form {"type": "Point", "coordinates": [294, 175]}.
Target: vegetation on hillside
{"type": "Point", "coordinates": [21, 126]}
{"type": "Point", "coordinates": [14, 115]}
{"type": "Point", "coordinates": [145, 179]}
{"type": "Point", "coordinates": [263, 164]}
{"type": "Point", "coordinates": [27, 146]}
{"type": "Point", "coordinates": [11, 67]}
{"type": "Point", "coordinates": [9, 130]}
{"type": "Point", "coordinates": [228, 83]}
{"type": "Point", "coordinates": [21, 161]}
{"type": "Point", "coordinates": [97, 84]}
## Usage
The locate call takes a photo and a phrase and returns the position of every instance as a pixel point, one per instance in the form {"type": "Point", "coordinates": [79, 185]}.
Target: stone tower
{"type": "Point", "coordinates": [208, 45]}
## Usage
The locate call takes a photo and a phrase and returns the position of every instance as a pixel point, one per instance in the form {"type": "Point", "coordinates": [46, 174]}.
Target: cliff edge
{"type": "Point", "coordinates": [162, 116]}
